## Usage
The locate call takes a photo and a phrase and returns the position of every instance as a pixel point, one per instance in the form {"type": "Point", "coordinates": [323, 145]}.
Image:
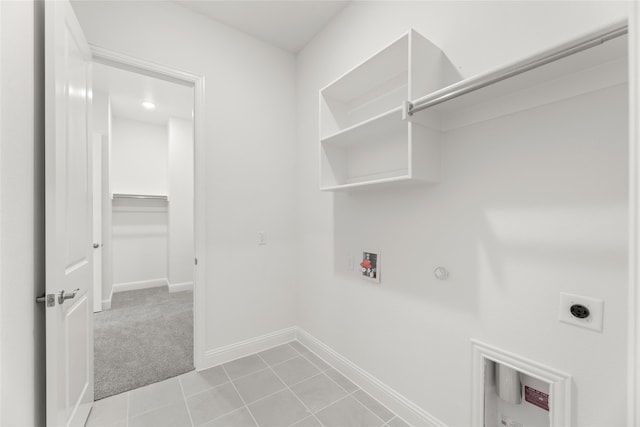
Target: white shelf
{"type": "Point", "coordinates": [361, 132]}
{"type": "Point", "coordinates": [373, 154]}
{"type": "Point", "coordinates": [364, 184]}
{"type": "Point", "coordinates": [160, 197]}
{"type": "Point", "coordinates": [364, 140]}
{"type": "Point", "coordinates": [139, 203]}
{"type": "Point", "coordinates": [388, 65]}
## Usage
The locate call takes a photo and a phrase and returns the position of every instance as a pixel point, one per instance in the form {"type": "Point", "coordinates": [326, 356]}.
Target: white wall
{"type": "Point", "coordinates": [181, 250]}
{"type": "Point", "coordinates": [250, 155]}
{"type": "Point", "coordinates": [139, 165]}
{"type": "Point", "coordinates": [529, 205]}
{"type": "Point", "coordinates": [21, 220]}
{"type": "Point", "coordinates": [139, 234]}
{"type": "Point", "coordinates": [100, 111]}
{"type": "Point", "coordinates": [139, 157]}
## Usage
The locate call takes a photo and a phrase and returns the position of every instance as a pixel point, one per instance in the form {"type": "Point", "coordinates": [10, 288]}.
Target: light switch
{"type": "Point", "coordinates": [351, 263]}
{"type": "Point", "coordinates": [262, 237]}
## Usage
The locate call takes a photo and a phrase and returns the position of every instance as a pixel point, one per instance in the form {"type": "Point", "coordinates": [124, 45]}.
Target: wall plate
{"type": "Point", "coordinates": [560, 384]}
{"type": "Point", "coordinates": [595, 308]}
{"type": "Point", "coordinates": [370, 266]}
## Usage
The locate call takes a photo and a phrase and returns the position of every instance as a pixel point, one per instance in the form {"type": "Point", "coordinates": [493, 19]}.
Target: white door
{"type": "Point", "coordinates": [97, 222]}
{"type": "Point", "coordinates": [69, 259]}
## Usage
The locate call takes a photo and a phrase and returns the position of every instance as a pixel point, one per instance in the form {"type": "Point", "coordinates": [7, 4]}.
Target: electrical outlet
{"type": "Point", "coordinates": [507, 421]}
{"type": "Point", "coordinates": [581, 311]}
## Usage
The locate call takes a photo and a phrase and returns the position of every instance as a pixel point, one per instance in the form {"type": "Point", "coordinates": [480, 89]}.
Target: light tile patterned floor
{"type": "Point", "coordinates": [284, 386]}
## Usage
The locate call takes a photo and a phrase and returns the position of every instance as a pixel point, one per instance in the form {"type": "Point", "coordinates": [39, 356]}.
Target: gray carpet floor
{"type": "Point", "coordinates": [146, 337]}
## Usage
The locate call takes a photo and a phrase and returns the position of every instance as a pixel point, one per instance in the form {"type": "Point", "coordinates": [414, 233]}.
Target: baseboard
{"type": "Point", "coordinates": [143, 284]}
{"type": "Point", "coordinates": [178, 287]}
{"type": "Point", "coordinates": [245, 348]}
{"type": "Point", "coordinates": [394, 401]}
{"type": "Point", "coordinates": [400, 405]}
{"type": "Point", "coordinates": [106, 303]}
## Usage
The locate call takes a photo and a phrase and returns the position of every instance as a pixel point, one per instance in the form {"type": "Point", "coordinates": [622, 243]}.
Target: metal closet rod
{"type": "Point", "coordinates": [139, 196]}
{"type": "Point", "coordinates": [520, 67]}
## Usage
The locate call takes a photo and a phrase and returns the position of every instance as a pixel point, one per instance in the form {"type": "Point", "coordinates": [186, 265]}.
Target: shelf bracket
{"type": "Point", "coordinates": [406, 110]}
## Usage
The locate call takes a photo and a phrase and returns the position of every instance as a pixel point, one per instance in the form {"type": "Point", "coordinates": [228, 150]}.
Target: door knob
{"type": "Point", "coordinates": [96, 245]}
{"type": "Point", "coordinates": [62, 296]}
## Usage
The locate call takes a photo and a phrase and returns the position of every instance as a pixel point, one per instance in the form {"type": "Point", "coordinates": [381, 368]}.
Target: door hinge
{"type": "Point", "coordinates": [50, 299]}
{"type": "Point", "coordinates": [196, 261]}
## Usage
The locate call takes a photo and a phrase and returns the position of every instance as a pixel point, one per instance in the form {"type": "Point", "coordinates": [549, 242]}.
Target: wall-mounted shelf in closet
{"type": "Point", "coordinates": [128, 202]}
{"type": "Point", "coordinates": [140, 196]}
{"type": "Point", "coordinates": [364, 140]}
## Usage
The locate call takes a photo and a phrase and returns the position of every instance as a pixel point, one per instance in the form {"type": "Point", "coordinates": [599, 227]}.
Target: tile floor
{"type": "Point", "coordinates": [284, 386]}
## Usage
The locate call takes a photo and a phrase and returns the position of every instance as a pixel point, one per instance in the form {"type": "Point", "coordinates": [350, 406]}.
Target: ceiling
{"type": "Point", "coordinates": [289, 25]}
{"type": "Point", "coordinates": [127, 90]}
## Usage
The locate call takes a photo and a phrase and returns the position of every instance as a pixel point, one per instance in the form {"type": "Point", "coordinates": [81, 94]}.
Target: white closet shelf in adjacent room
{"type": "Point", "coordinates": [142, 203]}
{"type": "Point", "coordinates": [140, 196]}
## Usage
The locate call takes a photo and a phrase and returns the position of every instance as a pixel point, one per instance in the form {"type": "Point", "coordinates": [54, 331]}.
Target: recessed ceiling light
{"type": "Point", "coordinates": [148, 105]}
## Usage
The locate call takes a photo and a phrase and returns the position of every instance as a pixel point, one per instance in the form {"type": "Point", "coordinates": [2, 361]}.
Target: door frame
{"type": "Point", "coordinates": [115, 59]}
{"type": "Point", "coordinates": [39, 241]}
{"type": "Point", "coordinates": [96, 150]}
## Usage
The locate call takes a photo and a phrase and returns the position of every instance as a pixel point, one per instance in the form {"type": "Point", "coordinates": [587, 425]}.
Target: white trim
{"type": "Point", "coordinates": [96, 151]}
{"type": "Point", "coordinates": [200, 232]}
{"type": "Point", "coordinates": [387, 396]}
{"type": "Point", "coordinates": [142, 284]}
{"type": "Point", "coordinates": [106, 303]}
{"type": "Point", "coordinates": [1, 259]}
{"type": "Point", "coordinates": [559, 383]}
{"type": "Point", "coordinates": [633, 356]}
{"type": "Point", "coordinates": [145, 284]}
{"type": "Point", "coordinates": [138, 65]}
{"type": "Point", "coordinates": [179, 287]}
{"type": "Point", "coordinates": [247, 347]}
{"type": "Point", "coordinates": [400, 405]}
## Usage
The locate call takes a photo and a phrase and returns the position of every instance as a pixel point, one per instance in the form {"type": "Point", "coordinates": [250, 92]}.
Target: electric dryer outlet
{"type": "Point", "coordinates": [581, 311]}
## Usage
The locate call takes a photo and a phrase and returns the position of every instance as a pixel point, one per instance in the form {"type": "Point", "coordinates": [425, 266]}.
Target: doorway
{"type": "Point", "coordinates": [143, 136]}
